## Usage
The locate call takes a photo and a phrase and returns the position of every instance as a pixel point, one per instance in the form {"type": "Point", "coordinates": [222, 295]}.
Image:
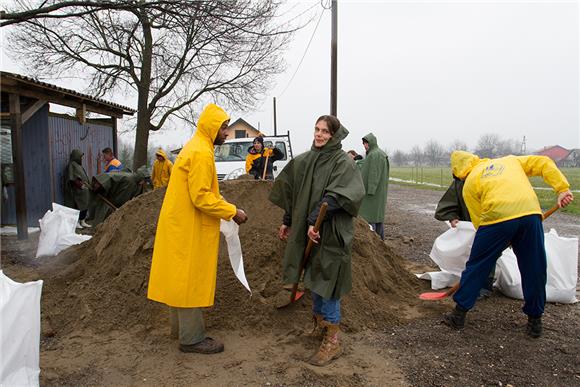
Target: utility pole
{"type": "Point", "coordinates": [275, 125]}
{"type": "Point", "coordinates": [523, 147]}
{"type": "Point", "coordinates": [333, 57]}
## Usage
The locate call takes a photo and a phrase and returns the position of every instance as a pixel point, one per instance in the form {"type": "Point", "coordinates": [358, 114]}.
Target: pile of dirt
{"type": "Point", "coordinates": [102, 284]}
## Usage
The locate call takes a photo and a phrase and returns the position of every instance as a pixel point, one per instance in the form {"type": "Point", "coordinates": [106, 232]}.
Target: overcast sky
{"type": "Point", "coordinates": [414, 71]}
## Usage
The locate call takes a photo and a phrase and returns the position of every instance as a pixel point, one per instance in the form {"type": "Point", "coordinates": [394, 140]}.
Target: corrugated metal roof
{"type": "Point", "coordinates": [125, 109]}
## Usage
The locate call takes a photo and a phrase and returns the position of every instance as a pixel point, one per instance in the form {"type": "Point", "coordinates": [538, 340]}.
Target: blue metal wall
{"type": "Point", "coordinates": [36, 171]}
{"type": "Point", "coordinates": [67, 134]}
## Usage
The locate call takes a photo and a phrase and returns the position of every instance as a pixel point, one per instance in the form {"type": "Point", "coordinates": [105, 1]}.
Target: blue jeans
{"type": "Point", "coordinates": [379, 228]}
{"type": "Point", "coordinates": [328, 309]}
{"type": "Point", "coordinates": [526, 235]}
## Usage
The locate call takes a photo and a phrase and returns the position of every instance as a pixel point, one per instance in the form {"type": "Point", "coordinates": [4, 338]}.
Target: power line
{"type": "Point", "coordinates": [305, 51]}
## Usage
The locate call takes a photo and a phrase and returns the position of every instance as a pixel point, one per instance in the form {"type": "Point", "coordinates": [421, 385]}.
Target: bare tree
{"type": "Point", "coordinates": [487, 145]}
{"type": "Point", "coordinates": [399, 157]}
{"type": "Point", "coordinates": [434, 152]}
{"type": "Point", "coordinates": [172, 54]}
{"type": "Point", "coordinates": [417, 155]}
{"type": "Point", "coordinates": [458, 145]}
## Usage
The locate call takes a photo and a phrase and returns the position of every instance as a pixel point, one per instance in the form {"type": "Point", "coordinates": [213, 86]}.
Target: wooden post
{"type": "Point", "coordinates": [334, 58]}
{"type": "Point", "coordinates": [275, 123]}
{"type": "Point", "coordinates": [17, 159]}
{"type": "Point", "coordinates": [115, 147]}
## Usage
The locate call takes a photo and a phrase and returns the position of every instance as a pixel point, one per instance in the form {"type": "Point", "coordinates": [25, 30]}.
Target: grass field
{"type": "Point", "coordinates": [440, 178]}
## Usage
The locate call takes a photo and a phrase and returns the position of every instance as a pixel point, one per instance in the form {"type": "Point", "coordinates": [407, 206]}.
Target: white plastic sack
{"type": "Point", "coordinates": [562, 273]}
{"type": "Point", "coordinates": [57, 231]}
{"type": "Point", "coordinates": [451, 249]}
{"type": "Point", "coordinates": [19, 332]}
{"type": "Point", "coordinates": [230, 230]}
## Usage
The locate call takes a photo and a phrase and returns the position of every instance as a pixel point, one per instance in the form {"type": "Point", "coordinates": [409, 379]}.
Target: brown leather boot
{"type": "Point", "coordinates": [330, 348]}
{"type": "Point", "coordinates": [318, 325]}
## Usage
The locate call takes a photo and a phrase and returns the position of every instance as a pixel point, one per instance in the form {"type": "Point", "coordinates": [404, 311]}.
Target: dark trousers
{"type": "Point", "coordinates": [83, 214]}
{"type": "Point", "coordinates": [379, 228]}
{"type": "Point", "coordinates": [526, 235]}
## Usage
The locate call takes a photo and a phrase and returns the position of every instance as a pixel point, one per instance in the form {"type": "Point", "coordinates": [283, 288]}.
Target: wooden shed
{"type": "Point", "coordinates": [36, 143]}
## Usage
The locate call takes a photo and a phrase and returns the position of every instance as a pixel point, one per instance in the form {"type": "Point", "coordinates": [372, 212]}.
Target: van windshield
{"type": "Point", "coordinates": [233, 151]}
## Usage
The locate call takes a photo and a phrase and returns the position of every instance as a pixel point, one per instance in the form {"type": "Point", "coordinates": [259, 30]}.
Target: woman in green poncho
{"type": "Point", "coordinates": [323, 174]}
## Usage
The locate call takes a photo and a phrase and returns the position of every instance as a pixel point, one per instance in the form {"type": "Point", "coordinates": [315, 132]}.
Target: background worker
{"type": "Point", "coordinates": [117, 188]}
{"type": "Point", "coordinates": [323, 174]}
{"type": "Point", "coordinates": [184, 264]}
{"type": "Point", "coordinates": [76, 186]}
{"type": "Point", "coordinates": [452, 208]}
{"type": "Point", "coordinates": [256, 159]}
{"type": "Point", "coordinates": [375, 175]}
{"type": "Point", "coordinates": [161, 169]}
{"type": "Point", "coordinates": [111, 163]}
{"type": "Point", "coordinates": [505, 210]}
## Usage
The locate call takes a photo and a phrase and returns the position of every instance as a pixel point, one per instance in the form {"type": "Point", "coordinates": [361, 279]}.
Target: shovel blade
{"type": "Point", "coordinates": [298, 296]}
{"type": "Point", "coordinates": [430, 296]}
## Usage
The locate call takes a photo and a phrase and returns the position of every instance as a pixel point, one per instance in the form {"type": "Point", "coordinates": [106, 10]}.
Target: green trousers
{"type": "Point", "coordinates": [187, 325]}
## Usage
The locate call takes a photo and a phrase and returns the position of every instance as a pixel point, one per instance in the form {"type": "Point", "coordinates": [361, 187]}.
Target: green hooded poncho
{"type": "Point", "coordinates": [76, 197]}
{"type": "Point", "coordinates": [118, 188]}
{"type": "Point", "coordinates": [375, 174]}
{"type": "Point", "coordinates": [298, 190]}
{"type": "Point", "coordinates": [452, 206]}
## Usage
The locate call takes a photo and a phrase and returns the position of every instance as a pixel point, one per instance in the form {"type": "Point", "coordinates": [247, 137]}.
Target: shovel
{"type": "Point", "coordinates": [296, 295]}
{"type": "Point", "coordinates": [430, 296]}
{"type": "Point", "coordinates": [265, 167]}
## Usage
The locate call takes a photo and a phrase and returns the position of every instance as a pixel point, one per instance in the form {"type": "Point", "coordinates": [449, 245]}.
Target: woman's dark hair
{"type": "Point", "coordinates": [332, 122]}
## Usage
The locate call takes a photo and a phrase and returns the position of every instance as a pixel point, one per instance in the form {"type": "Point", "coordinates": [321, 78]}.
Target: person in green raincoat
{"type": "Point", "coordinates": [323, 174]}
{"type": "Point", "coordinates": [375, 173]}
{"type": "Point", "coordinates": [76, 186]}
{"type": "Point", "coordinates": [118, 188]}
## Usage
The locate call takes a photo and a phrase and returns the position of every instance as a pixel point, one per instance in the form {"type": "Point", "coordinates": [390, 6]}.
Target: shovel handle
{"type": "Point", "coordinates": [308, 249]}
{"type": "Point", "coordinates": [265, 167]}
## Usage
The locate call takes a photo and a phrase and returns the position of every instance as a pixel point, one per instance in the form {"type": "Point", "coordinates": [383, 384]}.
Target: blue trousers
{"type": "Point", "coordinates": [526, 235]}
{"type": "Point", "coordinates": [379, 228]}
{"type": "Point", "coordinates": [329, 309]}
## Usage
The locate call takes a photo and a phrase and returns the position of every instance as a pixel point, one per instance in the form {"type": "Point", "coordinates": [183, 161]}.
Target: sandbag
{"type": "Point", "coordinates": [451, 249]}
{"type": "Point", "coordinates": [19, 332]}
{"type": "Point", "coordinates": [57, 230]}
{"type": "Point", "coordinates": [562, 273]}
{"type": "Point", "coordinates": [230, 229]}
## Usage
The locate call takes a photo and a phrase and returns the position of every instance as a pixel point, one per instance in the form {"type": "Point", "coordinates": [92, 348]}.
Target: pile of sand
{"type": "Point", "coordinates": [102, 284]}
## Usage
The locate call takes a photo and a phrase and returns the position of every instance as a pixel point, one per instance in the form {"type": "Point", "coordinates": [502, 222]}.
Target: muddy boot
{"type": "Point", "coordinates": [329, 349]}
{"type": "Point", "coordinates": [318, 325]}
{"type": "Point", "coordinates": [534, 328]}
{"type": "Point", "coordinates": [456, 318]}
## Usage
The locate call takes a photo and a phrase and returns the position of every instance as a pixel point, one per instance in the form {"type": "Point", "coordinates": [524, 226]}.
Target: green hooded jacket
{"type": "Point", "coordinates": [75, 197]}
{"type": "Point", "coordinates": [118, 188]}
{"type": "Point", "coordinates": [452, 206]}
{"type": "Point", "coordinates": [326, 171]}
{"type": "Point", "coordinates": [375, 174]}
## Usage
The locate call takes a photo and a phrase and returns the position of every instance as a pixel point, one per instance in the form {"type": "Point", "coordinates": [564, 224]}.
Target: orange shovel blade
{"type": "Point", "coordinates": [433, 295]}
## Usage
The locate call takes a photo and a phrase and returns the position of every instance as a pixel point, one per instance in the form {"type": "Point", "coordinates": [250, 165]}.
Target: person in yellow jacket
{"type": "Point", "coordinates": [184, 265]}
{"type": "Point", "coordinates": [505, 211]}
{"type": "Point", "coordinates": [161, 169]}
{"type": "Point", "coordinates": [257, 157]}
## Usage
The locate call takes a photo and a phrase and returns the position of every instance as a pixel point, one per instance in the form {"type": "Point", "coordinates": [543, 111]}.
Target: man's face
{"type": "Point", "coordinates": [160, 158]}
{"type": "Point", "coordinates": [107, 157]}
{"type": "Point", "coordinates": [257, 145]}
{"type": "Point", "coordinates": [222, 133]}
{"type": "Point", "coordinates": [366, 145]}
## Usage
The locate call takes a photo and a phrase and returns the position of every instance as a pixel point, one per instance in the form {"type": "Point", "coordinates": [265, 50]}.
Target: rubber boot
{"type": "Point", "coordinates": [456, 318]}
{"type": "Point", "coordinates": [534, 328]}
{"type": "Point", "coordinates": [318, 325]}
{"type": "Point", "coordinates": [329, 349]}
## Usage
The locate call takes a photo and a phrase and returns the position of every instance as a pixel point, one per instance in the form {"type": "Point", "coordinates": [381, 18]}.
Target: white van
{"type": "Point", "coordinates": [230, 157]}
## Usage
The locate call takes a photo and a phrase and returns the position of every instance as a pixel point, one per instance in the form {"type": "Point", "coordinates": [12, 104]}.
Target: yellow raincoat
{"type": "Point", "coordinates": [161, 170]}
{"type": "Point", "coordinates": [184, 265]}
{"type": "Point", "coordinates": [497, 190]}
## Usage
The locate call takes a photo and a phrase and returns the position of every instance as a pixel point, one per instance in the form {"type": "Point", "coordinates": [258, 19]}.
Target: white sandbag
{"type": "Point", "coordinates": [451, 249]}
{"type": "Point", "coordinates": [230, 230]}
{"type": "Point", "coordinates": [57, 231]}
{"type": "Point", "coordinates": [19, 332]}
{"type": "Point", "coordinates": [562, 273]}
{"type": "Point", "coordinates": [440, 279]}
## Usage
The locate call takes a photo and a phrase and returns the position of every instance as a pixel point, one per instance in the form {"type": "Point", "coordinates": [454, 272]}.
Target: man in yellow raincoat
{"type": "Point", "coordinates": [505, 211]}
{"type": "Point", "coordinates": [184, 265]}
{"type": "Point", "coordinates": [161, 169]}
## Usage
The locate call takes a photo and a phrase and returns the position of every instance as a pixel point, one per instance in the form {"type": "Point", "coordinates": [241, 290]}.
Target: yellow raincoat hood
{"type": "Point", "coordinates": [161, 153]}
{"type": "Point", "coordinates": [210, 121]}
{"type": "Point", "coordinates": [462, 163]}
